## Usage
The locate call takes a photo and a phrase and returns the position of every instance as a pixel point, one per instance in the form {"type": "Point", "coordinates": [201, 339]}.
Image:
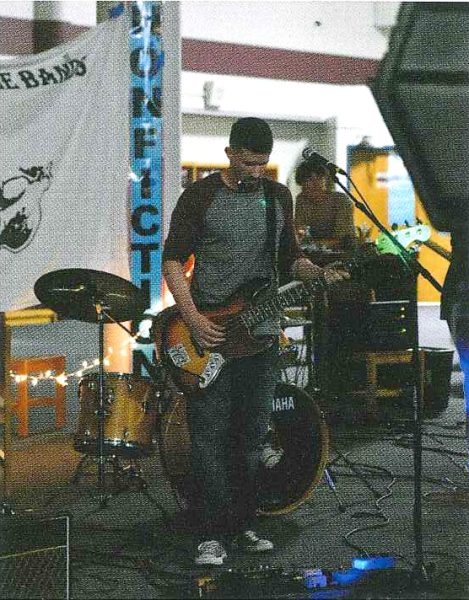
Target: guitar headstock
{"type": "Point", "coordinates": [405, 236]}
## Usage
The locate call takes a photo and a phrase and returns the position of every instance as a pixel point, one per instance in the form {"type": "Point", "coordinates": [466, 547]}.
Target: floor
{"type": "Point", "coordinates": [135, 542]}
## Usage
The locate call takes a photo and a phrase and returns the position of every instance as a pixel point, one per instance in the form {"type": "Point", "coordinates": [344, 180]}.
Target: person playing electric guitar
{"type": "Point", "coordinates": [239, 226]}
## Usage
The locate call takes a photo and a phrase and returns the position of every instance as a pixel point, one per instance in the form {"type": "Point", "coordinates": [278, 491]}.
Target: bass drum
{"type": "Point", "coordinates": [298, 436]}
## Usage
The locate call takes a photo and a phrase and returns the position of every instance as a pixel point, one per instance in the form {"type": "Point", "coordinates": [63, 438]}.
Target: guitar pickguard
{"type": "Point", "coordinates": [181, 359]}
{"type": "Point", "coordinates": [179, 355]}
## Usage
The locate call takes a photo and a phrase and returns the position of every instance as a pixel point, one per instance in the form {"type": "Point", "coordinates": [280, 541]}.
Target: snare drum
{"type": "Point", "coordinates": [130, 414]}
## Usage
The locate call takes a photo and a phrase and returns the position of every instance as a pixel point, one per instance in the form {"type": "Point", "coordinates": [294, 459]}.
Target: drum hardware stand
{"type": "Point", "coordinates": [314, 387]}
{"type": "Point", "coordinates": [414, 268]}
{"type": "Point", "coordinates": [92, 296]}
{"type": "Point", "coordinates": [85, 461]}
{"type": "Point", "coordinates": [331, 483]}
{"type": "Point", "coordinates": [154, 371]}
{"type": "Point", "coordinates": [317, 386]}
{"type": "Point", "coordinates": [101, 410]}
{"type": "Point", "coordinates": [131, 473]}
{"type": "Point", "coordinates": [125, 477]}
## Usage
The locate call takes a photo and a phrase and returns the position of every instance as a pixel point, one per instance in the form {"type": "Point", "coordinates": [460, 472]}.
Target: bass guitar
{"type": "Point", "coordinates": [238, 316]}
{"type": "Point", "coordinates": [406, 236]}
{"type": "Point", "coordinates": [443, 252]}
{"type": "Point", "coordinates": [420, 234]}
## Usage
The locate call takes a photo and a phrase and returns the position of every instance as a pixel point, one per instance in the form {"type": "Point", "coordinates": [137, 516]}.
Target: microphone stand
{"type": "Point", "coordinates": [414, 268]}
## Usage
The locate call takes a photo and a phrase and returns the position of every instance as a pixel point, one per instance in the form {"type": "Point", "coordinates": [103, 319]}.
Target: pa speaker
{"type": "Point", "coordinates": [422, 91]}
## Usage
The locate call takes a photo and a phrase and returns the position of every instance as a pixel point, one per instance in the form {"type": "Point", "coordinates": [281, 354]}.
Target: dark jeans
{"type": "Point", "coordinates": [228, 423]}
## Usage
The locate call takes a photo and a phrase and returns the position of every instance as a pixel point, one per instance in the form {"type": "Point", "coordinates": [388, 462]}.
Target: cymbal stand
{"type": "Point", "coordinates": [101, 314]}
{"type": "Point", "coordinates": [130, 473]}
{"type": "Point", "coordinates": [155, 372]}
{"type": "Point", "coordinates": [126, 474]}
{"type": "Point", "coordinates": [103, 498]}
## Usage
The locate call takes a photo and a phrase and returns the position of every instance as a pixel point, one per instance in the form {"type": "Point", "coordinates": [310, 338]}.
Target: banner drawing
{"type": "Point", "coordinates": [64, 161]}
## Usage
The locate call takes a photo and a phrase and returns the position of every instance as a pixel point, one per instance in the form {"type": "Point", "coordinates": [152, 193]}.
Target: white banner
{"type": "Point", "coordinates": [64, 161]}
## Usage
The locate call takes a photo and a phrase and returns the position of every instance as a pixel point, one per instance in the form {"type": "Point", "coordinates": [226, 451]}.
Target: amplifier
{"type": "Point", "coordinates": [388, 326]}
{"type": "Point", "coordinates": [364, 326]}
{"type": "Point", "coordinates": [34, 557]}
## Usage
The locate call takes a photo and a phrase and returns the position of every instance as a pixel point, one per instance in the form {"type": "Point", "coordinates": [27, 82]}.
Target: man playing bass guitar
{"type": "Point", "coordinates": [239, 226]}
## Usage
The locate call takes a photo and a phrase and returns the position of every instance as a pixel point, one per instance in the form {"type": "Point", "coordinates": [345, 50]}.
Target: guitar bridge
{"type": "Point", "coordinates": [212, 369]}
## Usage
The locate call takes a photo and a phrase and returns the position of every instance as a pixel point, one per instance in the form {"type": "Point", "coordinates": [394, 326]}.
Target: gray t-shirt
{"type": "Point", "coordinates": [232, 250]}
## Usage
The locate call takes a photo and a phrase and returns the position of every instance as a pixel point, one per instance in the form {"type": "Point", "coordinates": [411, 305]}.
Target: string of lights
{"type": "Point", "coordinates": [62, 378]}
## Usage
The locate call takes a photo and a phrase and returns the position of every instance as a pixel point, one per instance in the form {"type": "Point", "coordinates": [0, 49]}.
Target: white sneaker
{"type": "Point", "coordinates": [210, 553]}
{"type": "Point", "coordinates": [249, 541]}
{"type": "Point", "coordinates": [270, 457]}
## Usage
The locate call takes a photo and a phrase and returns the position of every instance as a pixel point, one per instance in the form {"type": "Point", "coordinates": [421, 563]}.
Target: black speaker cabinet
{"type": "Point", "coordinates": [422, 91]}
{"type": "Point", "coordinates": [364, 326]}
{"type": "Point", "coordinates": [34, 557]}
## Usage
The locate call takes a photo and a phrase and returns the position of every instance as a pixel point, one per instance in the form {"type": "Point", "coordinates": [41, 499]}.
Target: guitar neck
{"type": "Point", "coordinates": [438, 249]}
{"type": "Point", "coordinates": [291, 295]}
{"type": "Point", "coordinates": [297, 292]}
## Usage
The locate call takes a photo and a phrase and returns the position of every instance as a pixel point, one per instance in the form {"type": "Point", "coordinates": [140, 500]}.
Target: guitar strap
{"type": "Point", "coordinates": [271, 230]}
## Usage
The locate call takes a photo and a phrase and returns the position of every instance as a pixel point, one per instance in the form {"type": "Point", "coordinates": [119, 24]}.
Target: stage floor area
{"type": "Point", "coordinates": [140, 544]}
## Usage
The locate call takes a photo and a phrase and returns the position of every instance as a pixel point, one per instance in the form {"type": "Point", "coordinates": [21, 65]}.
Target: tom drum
{"type": "Point", "coordinates": [130, 414]}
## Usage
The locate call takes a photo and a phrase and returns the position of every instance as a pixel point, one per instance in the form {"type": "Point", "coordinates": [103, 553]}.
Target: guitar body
{"type": "Point", "coordinates": [202, 367]}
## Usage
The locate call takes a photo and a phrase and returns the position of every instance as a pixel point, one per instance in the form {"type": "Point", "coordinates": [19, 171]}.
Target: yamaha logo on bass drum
{"type": "Point", "coordinates": [283, 403]}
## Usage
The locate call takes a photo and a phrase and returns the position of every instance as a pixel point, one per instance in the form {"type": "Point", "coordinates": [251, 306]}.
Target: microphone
{"type": "Point", "coordinates": [309, 154]}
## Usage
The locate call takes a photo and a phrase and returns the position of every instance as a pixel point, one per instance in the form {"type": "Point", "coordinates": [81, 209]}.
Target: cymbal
{"type": "Point", "coordinates": [74, 293]}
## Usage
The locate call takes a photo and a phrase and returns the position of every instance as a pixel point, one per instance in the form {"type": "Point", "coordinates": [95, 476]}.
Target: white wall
{"type": "Point", "coordinates": [346, 28]}
{"type": "Point", "coordinates": [206, 137]}
{"type": "Point", "coordinates": [17, 10]}
{"type": "Point", "coordinates": [210, 149]}
{"type": "Point", "coordinates": [78, 13]}
{"type": "Point", "coordinates": [81, 12]}
{"type": "Point", "coordinates": [352, 107]}
{"type": "Point", "coordinates": [331, 27]}
{"type": "Point", "coordinates": [341, 28]}
{"type": "Point", "coordinates": [335, 27]}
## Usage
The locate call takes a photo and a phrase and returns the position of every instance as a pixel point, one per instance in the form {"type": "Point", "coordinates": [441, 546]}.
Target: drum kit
{"type": "Point", "coordinates": [121, 415]}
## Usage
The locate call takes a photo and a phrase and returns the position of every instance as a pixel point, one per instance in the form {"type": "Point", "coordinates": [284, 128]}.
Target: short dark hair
{"type": "Point", "coordinates": [307, 169]}
{"type": "Point", "coordinates": [252, 134]}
